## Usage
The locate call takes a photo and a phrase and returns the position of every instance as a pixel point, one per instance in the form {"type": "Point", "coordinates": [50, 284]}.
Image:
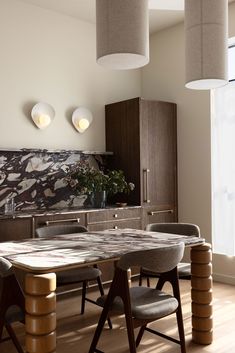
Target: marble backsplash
{"type": "Point", "coordinates": [35, 178]}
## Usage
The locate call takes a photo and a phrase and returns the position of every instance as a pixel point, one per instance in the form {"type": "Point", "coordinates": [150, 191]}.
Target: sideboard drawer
{"type": "Point", "coordinates": [131, 223]}
{"type": "Point", "coordinates": [112, 215]}
{"type": "Point", "coordinates": [159, 214]}
{"type": "Point", "coordinates": [15, 228]}
{"type": "Point", "coordinates": [47, 220]}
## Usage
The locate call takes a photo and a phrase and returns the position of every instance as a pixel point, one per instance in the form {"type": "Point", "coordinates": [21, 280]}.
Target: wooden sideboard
{"type": "Point", "coordinates": [22, 226]}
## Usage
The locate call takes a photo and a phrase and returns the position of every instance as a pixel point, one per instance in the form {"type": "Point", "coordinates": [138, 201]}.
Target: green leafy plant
{"type": "Point", "coordinates": [86, 180]}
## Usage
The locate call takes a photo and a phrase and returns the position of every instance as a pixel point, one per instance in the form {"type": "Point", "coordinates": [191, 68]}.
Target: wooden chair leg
{"type": "Point", "coordinates": [181, 329]}
{"type": "Point", "coordinates": [148, 282]}
{"type": "Point", "coordinates": [119, 287]}
{"type": "Point", "coordinates": [179, 316]}
{"type": "Point", "coordinates": [130, 333]}
{"type": "Point", "coordinates": [1, 323]}
{"type": "Point", "coordinates": [172, 277]}
{"type": "Point", "coordinates": [140, 279]}
{"type": "Point", "coordinates": [14, 338]}
{"type": "Point", "coordinates": [100, 285]}
{"type": "Point", "coordinates": [160, 283]}
{"type": "Point", "coordinates": [140, 335]}
{"type": "Point", "coordinates": [103, 318]}
{"type": "Point", "coordinates": [84, 285]}
{"type": "Point", "coordinates": [101, 289]}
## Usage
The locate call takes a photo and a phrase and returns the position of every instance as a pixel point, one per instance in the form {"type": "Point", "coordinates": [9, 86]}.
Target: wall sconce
{"type": "Point", "coordinates": [42, 115]}
{"type": "Point", "coordinates": [82, 119]}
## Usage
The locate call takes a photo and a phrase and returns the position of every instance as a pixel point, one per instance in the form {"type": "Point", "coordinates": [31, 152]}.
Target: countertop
{"type": "Point", "coordinates": [50, 212]}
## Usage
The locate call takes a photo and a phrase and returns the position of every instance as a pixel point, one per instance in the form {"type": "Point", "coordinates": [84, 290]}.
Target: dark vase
{"type": "Point", "coordinates": [96, 199]}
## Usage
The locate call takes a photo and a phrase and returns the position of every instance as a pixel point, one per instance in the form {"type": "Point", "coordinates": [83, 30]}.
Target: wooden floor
{"type": "Point", "coordinates": [74, 332]}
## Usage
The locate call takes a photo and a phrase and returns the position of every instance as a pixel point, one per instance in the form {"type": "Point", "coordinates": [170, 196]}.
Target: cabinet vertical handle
{"type": "Point", "coordinates": [145, 172]}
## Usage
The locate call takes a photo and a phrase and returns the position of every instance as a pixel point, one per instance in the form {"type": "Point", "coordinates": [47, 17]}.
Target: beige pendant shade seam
{"type": "Point", "coordinates": [205, 24]}
{"type": "Point", "coordinates": [206, 43]}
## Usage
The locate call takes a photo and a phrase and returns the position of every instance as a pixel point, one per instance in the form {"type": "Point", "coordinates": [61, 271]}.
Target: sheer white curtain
{"type": "Point", "coordinates": [223, 169]}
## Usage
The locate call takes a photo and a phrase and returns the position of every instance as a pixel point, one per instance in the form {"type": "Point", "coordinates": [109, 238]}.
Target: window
{"type": "Point", "coordinates": [231, 63]}
{"type": "Point", "coordinates": [223, 163]}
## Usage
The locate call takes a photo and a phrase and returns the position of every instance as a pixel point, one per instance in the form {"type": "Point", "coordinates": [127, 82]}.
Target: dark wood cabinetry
{"type": "Point", "coordinates": [108, 219]}
{"type": "Point", "coordinates": [159, 214]}
{"type": "Point", "coordinates": [24, 227]}
{"type": "Point", "coordinates": [142, 134]}
{"type": "Point", "coordinates": [56, 219]}
{"type": "Point", "coordinates": [15, 228]}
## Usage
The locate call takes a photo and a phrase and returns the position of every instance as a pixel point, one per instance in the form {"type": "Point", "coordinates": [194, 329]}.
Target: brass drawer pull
{"type": "Point", "coordinates": [115, 227]}
{"type": "Point", "coordinates": [145, 172]}
{"type": "Point", "coordinates": [115, 215]}
{"type": "Point", "coordinates": [152, 213]}
{"type": "Point", "coordinates": [77, 220]}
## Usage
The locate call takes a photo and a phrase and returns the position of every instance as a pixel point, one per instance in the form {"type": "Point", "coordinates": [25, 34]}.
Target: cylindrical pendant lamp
{"type": "Point", "coordinates": [206, 43]}
{"type": "Point", "coordinates": [122, 33]}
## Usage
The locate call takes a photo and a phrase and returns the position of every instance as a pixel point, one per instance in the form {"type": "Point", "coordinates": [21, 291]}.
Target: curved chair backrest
{"type": "Point", "coordinates": [158, 259]}
{"type": "Point", "coordinates": [50, 231]}
{"type": "Point", "coordinates": [5, 268]}
{"type": "Point", "coordinates": [10, 290]}
{"type": "Point", "coordinates": [175, 228]}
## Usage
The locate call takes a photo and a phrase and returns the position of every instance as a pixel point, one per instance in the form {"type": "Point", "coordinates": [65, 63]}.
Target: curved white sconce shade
{"type": "Point", "coordinates": [122, 33]}
{"type": "Point", "coordinates": [206, 48]}
{"type": "Point", "coordinates": [42, 115]}
{"type": "Point", "coordinates": [82, 119]}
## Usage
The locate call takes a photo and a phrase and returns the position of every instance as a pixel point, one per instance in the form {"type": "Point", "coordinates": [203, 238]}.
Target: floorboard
{"type": "Point", "coordinates": [74, 332]}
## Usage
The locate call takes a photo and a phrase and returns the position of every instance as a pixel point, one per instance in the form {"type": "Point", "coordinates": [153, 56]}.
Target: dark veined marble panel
{"type": "Point", "coordinates": [35, 178]}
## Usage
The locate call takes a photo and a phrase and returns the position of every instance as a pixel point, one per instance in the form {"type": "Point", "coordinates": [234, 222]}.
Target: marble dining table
{"type": "Point", "coordinates": [41, 258]}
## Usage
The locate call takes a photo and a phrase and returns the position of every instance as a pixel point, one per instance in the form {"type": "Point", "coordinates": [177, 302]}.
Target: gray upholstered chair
{"type": "Point", "coordinates": [78, 275]}
{"type": "Point", "coordinates": [12, 303]}
{"type": "Point", "coordinates": [184, 269]}
{"type": "Point", "coordinates": [142, 305]}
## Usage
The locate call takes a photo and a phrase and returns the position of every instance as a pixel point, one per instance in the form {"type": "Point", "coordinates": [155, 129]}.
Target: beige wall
{"type": "Point", "coordinates": [163, 79]}
{"type": "Point", "coordinates": [49, 57]}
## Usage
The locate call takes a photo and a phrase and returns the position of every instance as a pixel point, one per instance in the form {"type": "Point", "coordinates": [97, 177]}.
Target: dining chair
{"type": "Point", "coordinates": [78, 275]}
{"type": "Point", "coordinates": [184, 269]}
{"type": "Point", "coordinates": [12, 303]}
{"type": "Point", "coordinates": [142, 305]}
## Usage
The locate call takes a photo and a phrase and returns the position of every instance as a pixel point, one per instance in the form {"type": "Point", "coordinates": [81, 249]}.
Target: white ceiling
{"type": "Point", "coordinates": [162, 13]}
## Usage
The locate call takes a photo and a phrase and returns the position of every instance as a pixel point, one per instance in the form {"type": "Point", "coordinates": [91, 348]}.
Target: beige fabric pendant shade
{"type": "Point", "coordinates": [206, 43]}
{"type": "Point", "coordinates": [122, 33]}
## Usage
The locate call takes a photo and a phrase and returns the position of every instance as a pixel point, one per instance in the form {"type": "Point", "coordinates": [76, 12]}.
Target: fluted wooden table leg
{"type": "Point", "coordinates": [201, 268]}
{"type": "Point", "coordinates": [40, 318]}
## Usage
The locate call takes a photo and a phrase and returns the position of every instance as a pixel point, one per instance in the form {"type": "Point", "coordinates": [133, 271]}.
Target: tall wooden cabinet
{"type": "Point", "coordinates": [143, 136]}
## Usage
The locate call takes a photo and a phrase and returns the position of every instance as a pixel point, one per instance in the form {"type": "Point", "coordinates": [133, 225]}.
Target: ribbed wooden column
{"type": "Point", "coordinates": [201, 268]}
{"type": "Point", "coordinates": [40, 318]}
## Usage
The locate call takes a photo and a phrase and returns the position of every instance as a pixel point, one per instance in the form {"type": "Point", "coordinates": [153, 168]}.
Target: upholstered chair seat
{"type": "Point", "coordinates": [142, 305]}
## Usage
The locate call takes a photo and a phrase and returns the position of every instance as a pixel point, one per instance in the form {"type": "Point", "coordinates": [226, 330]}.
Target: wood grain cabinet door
{"type": "Point", "coordinates": [122, 138]}
{"type": "Point", "coordinates": [143, 136]}
{"type": "Point", "coordinates": [15, 228]}
{"type": "Point", "coordinates": [158, 153]}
